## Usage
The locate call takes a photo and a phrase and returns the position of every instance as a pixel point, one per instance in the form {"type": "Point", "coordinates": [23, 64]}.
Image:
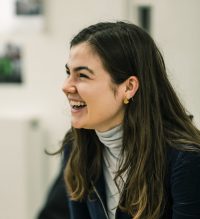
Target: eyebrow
{"type": "Point", "coordinates": [79, 68]}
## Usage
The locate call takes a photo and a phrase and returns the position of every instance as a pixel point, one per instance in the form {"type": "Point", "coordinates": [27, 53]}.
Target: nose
{"type": "Point", "coordinates": [69, 86]}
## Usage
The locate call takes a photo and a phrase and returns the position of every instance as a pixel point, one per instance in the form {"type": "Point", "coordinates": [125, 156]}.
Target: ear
{"type": "Point", "coordinates": [132, 85]}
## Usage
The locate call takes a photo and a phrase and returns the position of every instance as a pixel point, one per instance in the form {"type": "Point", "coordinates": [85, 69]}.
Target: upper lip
{"type": "Point", "coordinates": [73, 98]}
{"type": "Point", "coordinates": [76, 100]}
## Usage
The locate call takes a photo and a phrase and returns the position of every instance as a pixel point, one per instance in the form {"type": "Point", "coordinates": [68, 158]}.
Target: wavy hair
{"type": "Point", "coordinates": [153, 121]}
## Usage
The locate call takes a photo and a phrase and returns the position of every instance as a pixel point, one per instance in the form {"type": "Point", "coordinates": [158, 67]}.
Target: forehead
{"type": "Point", "coordinates": [83, 54]}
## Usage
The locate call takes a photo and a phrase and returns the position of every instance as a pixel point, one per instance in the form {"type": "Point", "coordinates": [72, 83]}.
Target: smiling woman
{"type": "Point", "coordinates": [132, 151]}
{"type": "Point", "coordinates": [87, 78]}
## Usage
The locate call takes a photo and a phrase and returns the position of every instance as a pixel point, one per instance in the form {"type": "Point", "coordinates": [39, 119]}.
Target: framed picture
{"type": "Point", "coordinates": [28, 7]}
{"type": "Point", "coordinates": [10, 64]}
{"type": "Point", "coordinates": [21, 16]}
{"type": "Point", "coordinates": [140, 12]}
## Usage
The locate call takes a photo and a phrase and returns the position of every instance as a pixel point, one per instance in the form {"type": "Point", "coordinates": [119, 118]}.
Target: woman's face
{"type": "Point", "coordinates": [90, 91]}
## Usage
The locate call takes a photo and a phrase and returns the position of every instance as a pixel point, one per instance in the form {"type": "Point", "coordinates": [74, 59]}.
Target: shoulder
{"type": "Point", "coordinates": [184, 181]}
{"type": "Point", "coordinates": [183, 164]}
{"type": "Point", "coordinates": [178, 159]}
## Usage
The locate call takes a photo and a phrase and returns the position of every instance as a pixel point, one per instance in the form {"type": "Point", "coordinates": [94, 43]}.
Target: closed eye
{"type": "Point", "coordinates": [67, 72]}
{"type": "Point", "coordinates": [81, 75]}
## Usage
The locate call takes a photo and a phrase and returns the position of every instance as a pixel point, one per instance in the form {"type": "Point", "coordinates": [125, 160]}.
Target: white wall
{"type": "Point", "coordinates": [175, 28]}
{"type": "Point", "coordinates": [22, 169]}
{"type": "Point", "coordinates": [177, 31]}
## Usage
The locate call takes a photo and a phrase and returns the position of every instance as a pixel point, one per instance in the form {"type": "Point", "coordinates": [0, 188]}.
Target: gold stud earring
{"type": "Point", "coordinates": [126, 100]}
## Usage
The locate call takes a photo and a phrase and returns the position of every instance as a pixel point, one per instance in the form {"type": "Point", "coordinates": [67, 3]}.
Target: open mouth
{"type": "Point", "coordinates": [77, 104]}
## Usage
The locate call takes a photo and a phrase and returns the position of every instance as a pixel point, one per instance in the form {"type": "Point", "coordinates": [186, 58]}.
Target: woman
{"type": "Point", "coordinates": [133, 151]}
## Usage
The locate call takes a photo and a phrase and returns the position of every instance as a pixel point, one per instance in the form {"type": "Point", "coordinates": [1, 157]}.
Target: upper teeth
{"type": "Point", "coordinates": [77, 103]}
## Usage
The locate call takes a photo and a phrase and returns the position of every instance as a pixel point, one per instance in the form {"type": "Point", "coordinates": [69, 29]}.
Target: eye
{"type": "Point", "coordinates": [67, 72]}
{"type": "Point", "coordinates": [81, 75]}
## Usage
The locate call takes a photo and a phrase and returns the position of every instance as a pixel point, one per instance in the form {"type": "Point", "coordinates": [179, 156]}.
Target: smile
{"type": "Point", "coordinates": [77, 104]}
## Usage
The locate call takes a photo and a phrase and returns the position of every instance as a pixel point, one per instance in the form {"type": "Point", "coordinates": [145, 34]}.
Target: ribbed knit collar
{"type": "Point", "coordinates": [112, 139]}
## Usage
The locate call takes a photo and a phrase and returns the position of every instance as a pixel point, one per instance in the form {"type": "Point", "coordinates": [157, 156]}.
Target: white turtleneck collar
{"type": "Point", "coordinates": [112, 140]}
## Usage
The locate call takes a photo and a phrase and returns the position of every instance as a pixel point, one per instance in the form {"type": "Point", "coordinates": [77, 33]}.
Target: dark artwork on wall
{"type": "Point", "coordinates": [28, 7]}
{"type": "Point", "coordinates": [10, 64]}
{"type": "Point", "coordinates": [144, 13]}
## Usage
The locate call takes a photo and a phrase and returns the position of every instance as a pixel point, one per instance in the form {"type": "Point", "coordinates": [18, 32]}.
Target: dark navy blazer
{"type": "Point", "coordinates": [182, 186]}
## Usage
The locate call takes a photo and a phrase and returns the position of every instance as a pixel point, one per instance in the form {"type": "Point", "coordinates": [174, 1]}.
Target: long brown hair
{"type": "Point", "coordinates": [153, 121]}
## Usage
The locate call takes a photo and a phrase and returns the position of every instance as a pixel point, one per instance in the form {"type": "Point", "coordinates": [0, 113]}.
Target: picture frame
{"type": "Point", "coordinates": [10, 64]}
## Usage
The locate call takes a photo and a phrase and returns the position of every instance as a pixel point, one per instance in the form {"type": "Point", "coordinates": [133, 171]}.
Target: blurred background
{"type": "Point", "coordinates": [34, 46]}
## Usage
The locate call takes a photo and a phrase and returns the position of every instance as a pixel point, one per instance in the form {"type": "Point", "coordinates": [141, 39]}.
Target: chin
{"type": "Point", "coordinates": [81, 126]}
{"type": "Point", "coordinates": [77, 125]}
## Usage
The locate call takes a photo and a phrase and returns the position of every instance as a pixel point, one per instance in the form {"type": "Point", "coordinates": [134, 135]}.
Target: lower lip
{"type": "Point", "coordinates": [77, 110]}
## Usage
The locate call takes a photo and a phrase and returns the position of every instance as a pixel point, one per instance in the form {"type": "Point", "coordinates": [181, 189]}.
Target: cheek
{"type": "Point", "coordinates": [89, 92]}
{"type": "Point", "coordinates": [105, 103]}
{"type": "Point", "coordinates": [99, 97]}
{"type": "Point", "coordinates": [83, 91]}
